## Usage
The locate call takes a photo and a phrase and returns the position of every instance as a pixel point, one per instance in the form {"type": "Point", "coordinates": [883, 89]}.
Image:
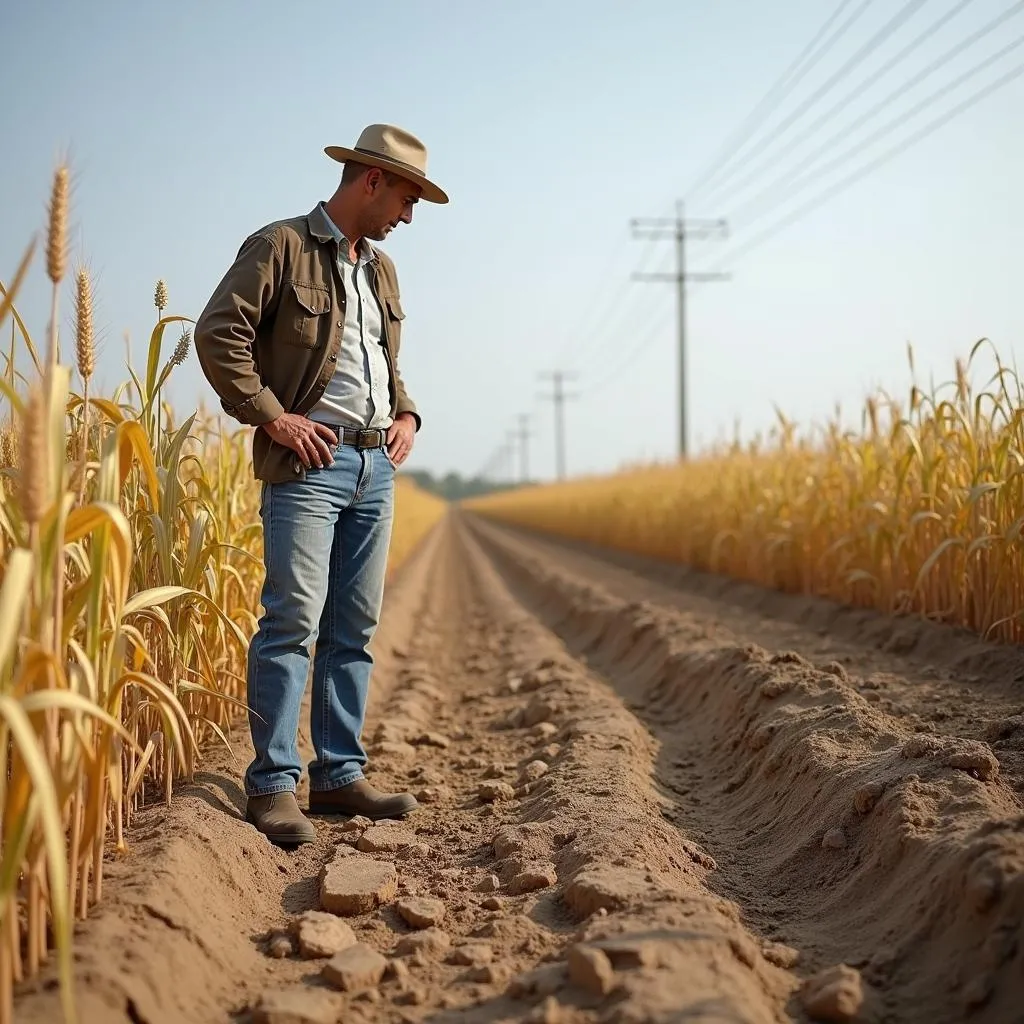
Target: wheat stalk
{"type": "Point", "coordinates": [85, 347]}
{"type": "Point", "coordinates": [57, 249]}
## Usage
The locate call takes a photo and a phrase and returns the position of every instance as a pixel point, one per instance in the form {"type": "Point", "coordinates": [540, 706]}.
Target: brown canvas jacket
{"type": "Point", "coordinates": [269, 337]}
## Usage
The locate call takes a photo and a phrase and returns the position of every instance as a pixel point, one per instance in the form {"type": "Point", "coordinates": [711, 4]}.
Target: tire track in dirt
{"type": "Point", "coordinates": [837, 827]}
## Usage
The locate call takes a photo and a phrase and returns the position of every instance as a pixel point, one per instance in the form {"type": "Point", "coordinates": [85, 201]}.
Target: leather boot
{"type": "Point", "coordinates": [278, 817]}
{"type": "Point", "coordinates": [360, 797]}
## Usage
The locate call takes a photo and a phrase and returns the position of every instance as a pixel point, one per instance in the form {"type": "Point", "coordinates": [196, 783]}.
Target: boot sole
{"type": "Point", "coordinates": [285, 838]}
{"type": "Point", "coordinates": [332, 810]}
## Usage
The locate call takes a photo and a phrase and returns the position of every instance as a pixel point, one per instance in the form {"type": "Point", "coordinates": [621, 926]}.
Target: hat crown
{"type": "Point", "coordinates": [393, 149]}
{"type": "Point", "coordinates": [393, 143]}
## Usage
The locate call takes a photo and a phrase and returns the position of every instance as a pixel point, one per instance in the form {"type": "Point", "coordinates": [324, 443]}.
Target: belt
{"type": "Point", "coordinates": [369, 438]}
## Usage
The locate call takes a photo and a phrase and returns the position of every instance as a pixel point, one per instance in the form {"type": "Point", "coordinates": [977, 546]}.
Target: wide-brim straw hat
{"type": "Point", "coordinates": [392, 149]}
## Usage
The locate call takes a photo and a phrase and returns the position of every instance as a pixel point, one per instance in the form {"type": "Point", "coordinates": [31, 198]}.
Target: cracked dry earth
{"type": "Point", "coordinates": [646, 796]}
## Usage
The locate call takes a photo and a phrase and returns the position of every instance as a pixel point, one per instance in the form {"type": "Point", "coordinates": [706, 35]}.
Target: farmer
{"type": "Point", "coordinates": [300, 340]}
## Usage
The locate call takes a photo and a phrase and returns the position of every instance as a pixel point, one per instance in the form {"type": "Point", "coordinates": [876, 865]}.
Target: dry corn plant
{"type": "Point", "coordinates": [129, 584]}
{"type": "Point", "coordinates": [116, 653]}
{"type": "Point", "coordinates": [920, 511]}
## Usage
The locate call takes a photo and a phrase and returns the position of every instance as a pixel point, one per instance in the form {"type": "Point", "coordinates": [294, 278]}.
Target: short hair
{"type": "Point", "coordinates": [354, 170]}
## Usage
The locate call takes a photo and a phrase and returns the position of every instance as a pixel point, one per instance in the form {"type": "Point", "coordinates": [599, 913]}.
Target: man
{"type": "Point", "coordinates": [300, 340]}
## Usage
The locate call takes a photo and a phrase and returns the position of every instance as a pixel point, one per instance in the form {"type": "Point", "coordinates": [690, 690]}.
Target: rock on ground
{"type": "Point", "coordinates": [492, 792]}
{"type": "Point", "coordinates": [296, 1005]}
{"type": "Point", "coordinates": [433, 940]}
{"type": "Point", "coordinates": [591, 969]}
{"type": "Point", "coordinates": [536, 876]}
{"type": "Point", "coordinates": [604, 887]}
{"type": "Point", "coordinates": [386, 839]}
{"type": "Point", "coordinates": [351, 885]}
{"type": "Point", "coordinates": [781, 955]}
{"type": "Point", "coordinates": [472, 954]}
{"type": "Point", "coordinates": [533, 771]}
{"type": "Point", "coordinates": [835, 994]}
{"type": "Point", "coordinates": [421, 912]}
{"type": "Point", "coordinates": [355, 969]}
{"type": "Point", "coordinates": [280, 946]}
{"type": "Point", "coordinates": [320, 934]}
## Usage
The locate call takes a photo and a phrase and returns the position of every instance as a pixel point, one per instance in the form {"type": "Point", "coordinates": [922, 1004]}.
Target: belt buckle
{"type": "Point", "coordinates": [365, 435]}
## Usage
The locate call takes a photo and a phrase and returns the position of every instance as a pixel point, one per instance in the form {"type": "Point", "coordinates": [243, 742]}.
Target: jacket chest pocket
{"type": "Point", "coordinates": [309, 308]}
{"type": "Point", "coordinates": [395, 315]}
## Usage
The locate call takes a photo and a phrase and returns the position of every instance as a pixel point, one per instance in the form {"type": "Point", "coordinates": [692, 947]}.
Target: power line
{"type": "Point", "coordinates": [777, 93]}
{"type": "Point", "coordinates": [613, 311]}
{"type": "Point", "coordinates": [680, 229]}
{"type": "Point", "coordinates": [850, 180]}
{"type": "Point", "coordinates": [642, 338]}
{"type": "Point", "coordinates": [911, 7]}
{"type": "Point", "coordinates": [841, 105]}
{"type": "Point", "coordinates": [798, 183]}
{"type": "Point", "coordinates": [559, 397]}
{"type": "Point", "coordinates": [524, 436]}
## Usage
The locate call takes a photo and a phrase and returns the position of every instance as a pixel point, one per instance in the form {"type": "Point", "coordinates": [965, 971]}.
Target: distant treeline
{"type": "Point", "coordinates": [453, 486]}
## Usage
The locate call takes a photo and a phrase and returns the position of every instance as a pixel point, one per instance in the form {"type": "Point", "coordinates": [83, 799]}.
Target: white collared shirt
{"type": "Point", "coordinates": [358, 394]}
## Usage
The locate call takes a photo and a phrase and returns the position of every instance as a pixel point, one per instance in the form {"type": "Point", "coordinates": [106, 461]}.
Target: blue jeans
{"type": "Point", "coordinates": [325, 550]}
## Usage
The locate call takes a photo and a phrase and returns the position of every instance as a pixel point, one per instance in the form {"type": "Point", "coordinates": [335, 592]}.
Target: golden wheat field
{"type": "Point", "coordinates": [920, 511]}
{"type": "Point", "coordinates": [129, 586]}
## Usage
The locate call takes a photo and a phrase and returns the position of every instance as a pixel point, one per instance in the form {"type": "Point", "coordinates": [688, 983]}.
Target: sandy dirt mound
{"type": "Point", "coordinates": [642, 800]}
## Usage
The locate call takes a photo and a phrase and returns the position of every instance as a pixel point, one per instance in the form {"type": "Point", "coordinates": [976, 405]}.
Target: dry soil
{"type": "Point", "coordinates": [647, 795]}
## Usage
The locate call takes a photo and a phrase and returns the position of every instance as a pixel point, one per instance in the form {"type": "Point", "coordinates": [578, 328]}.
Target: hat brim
{"type": "Point", "coordinates": [431, 193]}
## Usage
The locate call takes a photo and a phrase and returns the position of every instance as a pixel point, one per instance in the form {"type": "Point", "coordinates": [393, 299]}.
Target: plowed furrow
{"type": "Point", "coordinates": [641, 801]}
{"type": "Point", "coordinates": [837, 827]}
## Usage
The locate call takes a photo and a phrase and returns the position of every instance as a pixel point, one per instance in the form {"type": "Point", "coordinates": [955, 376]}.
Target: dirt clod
{"type": "Point", "coordinates": [533, 771]}
{"type": "Point", "coordinates": [386, 839]}
{"type": "Point", "coordinates": [591, 969]}
{"type": "Point", "coordinates": [280, 946]}
{"type": "Point", "coordinates": [420, 912]}
{"type": "Point", "coordinates": [536, 876]}
{"type": "Point", "coordinates": [834, 839]}
{"type": "Point", "coordinates": [537, 711]}
{"type": "Point", "coordinates": [298, 1004]}
{"type": "Point", "coordinates": [835, 994]}
{"type": "Point", "coordinates": [781, 955]}
{"type": "Point", "coordinates": [472, 954]}
{"type": "Point", "coordinates": [494, 792]}
{"type": "Point", "coordinates": [432, 739]}
{"type": "Point", "coordinates": [321, 934]}
{"type": "Point", "coordinates": [351, 885]}
{"type": "Point", "coordinates": [357, 968]}
{"type": "Point", "coordinates": [432, 941]}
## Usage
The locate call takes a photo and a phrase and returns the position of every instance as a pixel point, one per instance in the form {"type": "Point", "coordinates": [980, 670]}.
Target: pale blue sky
{"type": "Point", "coordinates": [551, 125]}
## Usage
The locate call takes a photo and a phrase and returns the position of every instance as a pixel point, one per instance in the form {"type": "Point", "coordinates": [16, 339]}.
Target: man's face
{"type": "Point", "coordinates": [388, 205]}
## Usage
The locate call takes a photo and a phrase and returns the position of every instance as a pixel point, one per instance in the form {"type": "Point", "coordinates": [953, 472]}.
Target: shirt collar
{"type": "Point", "coordinates": [321, 226]}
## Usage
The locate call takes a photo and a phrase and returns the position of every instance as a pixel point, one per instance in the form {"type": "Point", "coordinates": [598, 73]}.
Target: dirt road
{"type": "Point", "coordinates": [647, 796]}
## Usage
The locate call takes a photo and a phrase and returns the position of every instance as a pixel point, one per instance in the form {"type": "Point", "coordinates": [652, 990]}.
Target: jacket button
{"type": "Point", "coordinates": [334, 359]}
{"type": "Point", "coordinates": [341, 323]}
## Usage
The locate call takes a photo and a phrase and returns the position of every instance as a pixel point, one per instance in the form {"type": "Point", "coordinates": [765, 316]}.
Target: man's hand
{"type": "Point", "coordinates": [401, 434]}
{"type": "Point", "coordinates": [306, 438]}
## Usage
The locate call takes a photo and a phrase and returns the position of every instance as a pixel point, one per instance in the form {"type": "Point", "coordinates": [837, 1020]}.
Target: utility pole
{"type": "Point", "coordinates": [510, 447]}
{"type": "Point", "coordinates": [559, 397]}
{"type": "Point", "coordinates": [681, 229]}
{"type": "Point", "coordinates": [524, 438]}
